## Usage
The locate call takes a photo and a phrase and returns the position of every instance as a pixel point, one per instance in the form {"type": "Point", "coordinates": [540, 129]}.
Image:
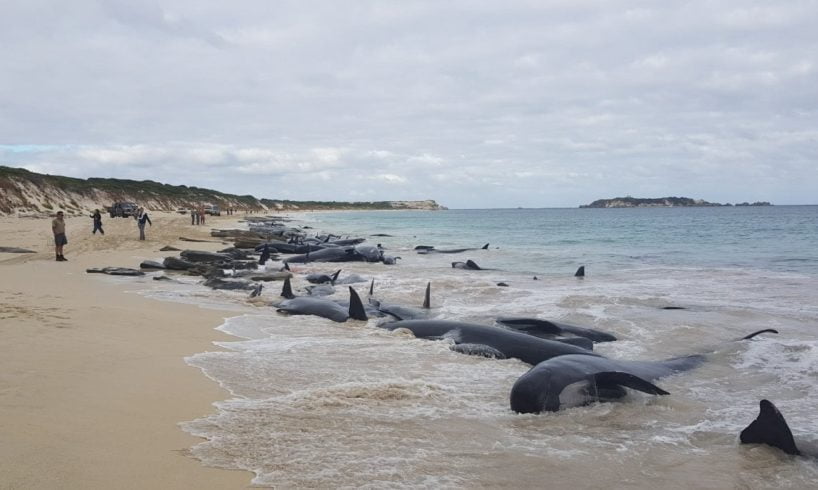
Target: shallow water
{"type": "Point", "coordinates": [349, 405]}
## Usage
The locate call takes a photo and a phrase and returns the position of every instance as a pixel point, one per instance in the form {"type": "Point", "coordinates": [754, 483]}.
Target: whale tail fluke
{"type": "Point", "coordinates": [287, 289]}
{"type": "Point", "coordinates": [766, 330]}
{"type": "Point", "coordinates": [770, 428]}
{"type": "Point", "coordinates": [580, 272]}
{"type": "Point", "coordinates": [356, 307]}
{"type": "Point", "coordinates": [427, 298]}
{"type": "Point", "coordinates": [334, 277]}
{"type": "Point", "coordinates": [485, 247]}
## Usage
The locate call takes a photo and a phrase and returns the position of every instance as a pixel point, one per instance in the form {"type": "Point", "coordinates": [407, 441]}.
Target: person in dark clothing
{"type": "Point", "coordinates": [141, 219]}
{"type": "Point", "coordinates": [97, 222]}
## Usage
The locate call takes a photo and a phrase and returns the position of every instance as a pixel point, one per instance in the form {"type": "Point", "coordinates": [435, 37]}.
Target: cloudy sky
{"type": "Point", "coordinates": [549, 103]}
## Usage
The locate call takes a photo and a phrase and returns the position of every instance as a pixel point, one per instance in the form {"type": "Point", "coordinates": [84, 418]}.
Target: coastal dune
{"type": "Point", "coordinates": [93, 381]}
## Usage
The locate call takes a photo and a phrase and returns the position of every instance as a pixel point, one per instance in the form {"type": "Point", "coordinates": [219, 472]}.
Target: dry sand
{"type": "Point", "coordinates": [93, 382]}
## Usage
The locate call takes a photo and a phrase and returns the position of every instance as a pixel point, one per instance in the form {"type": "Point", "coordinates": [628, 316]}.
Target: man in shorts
{"type": "Point", "coordinates": [58, 227]}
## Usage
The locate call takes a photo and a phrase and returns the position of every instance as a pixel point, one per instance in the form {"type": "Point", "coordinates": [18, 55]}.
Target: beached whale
{"type": "Point", "coordinates": [323, 278]}
{"type": "Point", "coordinates": [468, 265]}
{"type": "Point", "coordinates": [320, 290]}
{"type": "Point", "coordinates": [325, 308]}
{"type": "Point", "coordinates": [428, 249]}
{"type": "Point", "coordinates": [400, 312]}
{"type": "Point", "coordinates": [360, 253]}
{"type": "Point", "coordinates": [547, 329]}
{"type": "Point", "coordinates": [569, 381]}
{"type": "Point", "coordinates": [770, 428]}
{"type": "Point", "coordinates": [484, 340]}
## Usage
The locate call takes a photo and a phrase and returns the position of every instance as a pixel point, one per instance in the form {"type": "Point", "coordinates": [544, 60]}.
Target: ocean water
{"type": "Point", "coordinates": [318, 404]}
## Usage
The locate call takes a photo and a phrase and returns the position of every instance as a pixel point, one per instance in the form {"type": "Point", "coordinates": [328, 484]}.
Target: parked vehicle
{"type": "Point", "coordinates": [123, 209]}
{"type": "Point", "coordinates": [212, 210]}
{"type": "Point", "coordinates": [182, 211]}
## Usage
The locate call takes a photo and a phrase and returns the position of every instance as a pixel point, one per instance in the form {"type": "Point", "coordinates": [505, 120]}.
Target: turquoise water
{"type": "Point", "coordinates": [318, 404]}
{"type": "Point", "coordinates": [777, 238]}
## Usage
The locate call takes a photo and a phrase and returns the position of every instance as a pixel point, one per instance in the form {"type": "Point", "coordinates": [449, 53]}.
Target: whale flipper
{"type": "Point", "coordinates": [427, 298]}
{"type": "Point", "coordinates": [577, 341]}
{"type": "Point", "coordinates": [478, 350]}
{"type": "Point", "coordinates": [770, 428]}
{"type": "Point", "coordinates": [356, 307]}
{"type": "Point", "coordinates": [334, 277]}
{"type": "Point", "coordinates": [608, 378]}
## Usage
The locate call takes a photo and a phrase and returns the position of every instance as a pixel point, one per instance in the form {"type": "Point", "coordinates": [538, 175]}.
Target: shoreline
{"type": "Point", "coordinates": [94, 381]}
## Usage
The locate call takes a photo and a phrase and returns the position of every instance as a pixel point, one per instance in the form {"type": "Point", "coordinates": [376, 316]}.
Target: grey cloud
{"type": "Point", "coordinates": [473, 103]}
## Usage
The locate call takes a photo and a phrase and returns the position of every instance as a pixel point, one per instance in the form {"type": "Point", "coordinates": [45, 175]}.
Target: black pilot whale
{"type": "Point", "coordinates": [325, 308]}
{"type": "Point", "coordinates": [548, 329]}
{"type": "Point", "coordinates": [475, 339]}
{"type": "Point", "coordinates": [568, 381]}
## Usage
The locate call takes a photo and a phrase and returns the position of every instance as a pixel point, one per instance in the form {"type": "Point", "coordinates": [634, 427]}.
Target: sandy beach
{"type": "Point", "coordinates": [93, 381]}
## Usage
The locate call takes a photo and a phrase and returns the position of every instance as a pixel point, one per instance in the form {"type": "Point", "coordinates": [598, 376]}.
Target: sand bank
{"type": "Point", "coordinates": [92, 378]}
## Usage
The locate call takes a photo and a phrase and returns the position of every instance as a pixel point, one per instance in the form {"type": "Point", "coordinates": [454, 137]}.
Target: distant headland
{"type": "Point", "coordinates": [22, 191]}
{"type": "Point", "coordinates": [661, 202]}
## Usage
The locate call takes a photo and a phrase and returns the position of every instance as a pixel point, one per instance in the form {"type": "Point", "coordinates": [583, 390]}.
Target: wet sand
{"type": "Point", "coordinates": [93, 381]}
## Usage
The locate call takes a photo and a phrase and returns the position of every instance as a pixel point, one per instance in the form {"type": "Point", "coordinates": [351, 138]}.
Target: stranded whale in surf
{"type": "Point", "coordinates": [548, 329]}
{"type": "Point", "coordinates": [472, 338]}
{"type": "Point", "coordinates": [325, 308]}
{"type": "Point", "coordinates": [568, 381]}
{"type": "Point", "coordinates": [400, 312]}
{"type": "Point", "coordinates": [428, 249]}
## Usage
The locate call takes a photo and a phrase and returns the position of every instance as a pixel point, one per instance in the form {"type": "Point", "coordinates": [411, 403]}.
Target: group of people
{"type": "Point", "coordinates": [58, 229]}
{"type": "Point", "coordinates": [197, 216]}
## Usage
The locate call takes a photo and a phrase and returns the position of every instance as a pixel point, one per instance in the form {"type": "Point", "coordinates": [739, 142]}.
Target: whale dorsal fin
{"type": "Point", "coordinates": [287, 289]}
{"type": "Point", "coordinates": [427, 298]}
{"type": "Point", "coordinates": [607, 378]}
{"type": "Point", "coordinates": [334, 277]}
{"type": "Point", "coordinates": [286, 266]}
{"type": "Point", "coordinates": [356, 307]}
{"type": "Point", "coordinates": [485, 247]}
{"type": "Point", "coordinates": [580, 272]}
{"type": "Point", "coordinates": [472, 265]}
{"type": "Point", "coordinates": [770, 428]}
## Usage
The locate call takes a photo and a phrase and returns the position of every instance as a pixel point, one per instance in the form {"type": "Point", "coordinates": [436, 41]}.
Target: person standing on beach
{"type": "Point", "coordinates": [141, 219]}
{"type": "Point", "coordinates": [97, 222]}
{"type": "Point", "coordinates": [58, 228]}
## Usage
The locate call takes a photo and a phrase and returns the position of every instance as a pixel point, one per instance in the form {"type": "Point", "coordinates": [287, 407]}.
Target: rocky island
{"type": "Point", "coordinates": [660, 202]}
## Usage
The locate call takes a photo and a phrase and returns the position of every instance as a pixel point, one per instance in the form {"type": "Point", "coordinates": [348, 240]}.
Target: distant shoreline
{"type": "Point", "coordinates": [663, 202]}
